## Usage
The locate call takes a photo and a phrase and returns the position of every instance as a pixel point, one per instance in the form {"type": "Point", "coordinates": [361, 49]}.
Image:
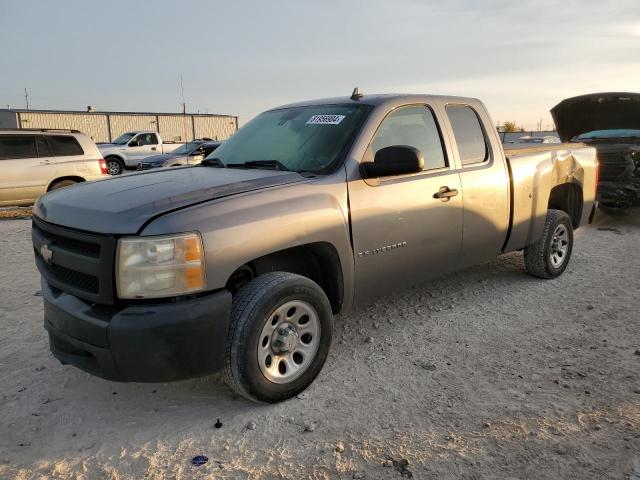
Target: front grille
{"type": "Point", "coordinates": [77, 279]}
{"type": "Point", "coordinates": [70, 244]}
{"type": "Point", "coordinates": [75, 262]}
{"type": "Point", "coordinates": [615, 165]}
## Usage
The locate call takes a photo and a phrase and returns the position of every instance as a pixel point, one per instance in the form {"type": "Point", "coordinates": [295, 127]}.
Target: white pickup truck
{"type": "Point", "coordinates": [131, 147]}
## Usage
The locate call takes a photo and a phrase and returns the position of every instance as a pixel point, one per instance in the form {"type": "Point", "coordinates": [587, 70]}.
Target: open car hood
{"type": "Point", "coordinates": [596, 111]}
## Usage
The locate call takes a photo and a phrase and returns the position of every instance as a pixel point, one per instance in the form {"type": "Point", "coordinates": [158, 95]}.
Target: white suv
{"type": "Point", "coordinates": [33, 162]}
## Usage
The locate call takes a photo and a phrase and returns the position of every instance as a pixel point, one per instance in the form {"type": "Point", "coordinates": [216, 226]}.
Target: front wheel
{"type": "Point", "coordinates": [279, 336]}
{"type": "Point", "coordinates": [549, 256]}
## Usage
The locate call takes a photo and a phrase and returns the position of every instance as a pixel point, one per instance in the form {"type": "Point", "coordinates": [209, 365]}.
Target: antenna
{"type": "Point", "coordinates": [356, 95]}
{"type": "Point", "coordinates": [26, 97]}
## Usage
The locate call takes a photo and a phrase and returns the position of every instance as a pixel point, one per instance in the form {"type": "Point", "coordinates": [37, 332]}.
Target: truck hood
{"type": "Point", "coordinates": [123, 204]}
{"type": "Point", "coordinates": [596, 111]}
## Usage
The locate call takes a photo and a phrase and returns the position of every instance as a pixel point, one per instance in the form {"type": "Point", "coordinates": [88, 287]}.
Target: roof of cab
{"type": "Point", "coordinates": [381, 99]}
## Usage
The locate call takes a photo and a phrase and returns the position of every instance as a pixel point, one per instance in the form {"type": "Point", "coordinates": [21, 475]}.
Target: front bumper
{"type": "Point", "coordinates": [148, 165]}
{"type": "Point", "coordinates": [138, 343]}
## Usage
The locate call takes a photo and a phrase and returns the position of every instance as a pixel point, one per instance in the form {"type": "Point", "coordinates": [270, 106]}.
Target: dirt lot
{"type": "Point", "coordinates": [488, 373]}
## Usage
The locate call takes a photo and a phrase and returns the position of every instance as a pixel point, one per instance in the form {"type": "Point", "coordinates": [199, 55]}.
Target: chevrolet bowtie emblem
{"type": "Point", "coordinates": [46, 253]}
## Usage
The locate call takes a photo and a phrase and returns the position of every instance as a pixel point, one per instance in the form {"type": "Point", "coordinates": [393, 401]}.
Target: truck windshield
{"type": "Point", "coordinates": [124, 138]}
{"type": "Point", "coordinates": [308, 138]}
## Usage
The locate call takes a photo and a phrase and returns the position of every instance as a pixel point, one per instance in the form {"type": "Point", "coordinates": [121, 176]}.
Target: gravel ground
{"type": "Point", "coordinates": [485, 374]}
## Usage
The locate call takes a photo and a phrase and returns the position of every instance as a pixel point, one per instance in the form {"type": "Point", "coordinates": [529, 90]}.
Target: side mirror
{"type": "Point", "coordinates": [394, 160]}
{"type": "Point", "coordinates": [134, 143]}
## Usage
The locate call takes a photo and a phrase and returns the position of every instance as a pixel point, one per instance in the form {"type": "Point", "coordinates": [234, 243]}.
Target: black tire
{"type": "Point", "coordinates": [252, 307]}
{"type": "Point", "coordinates": [114, 165]}
{"type": "Point", "coordinates": [62, 184]}
{"type": "Point", "coordinates": [542, 259]}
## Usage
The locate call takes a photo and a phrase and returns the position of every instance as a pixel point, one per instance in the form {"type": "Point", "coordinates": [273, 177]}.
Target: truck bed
{"type": "Point", "coordinates": [535, 171]}
{"type": "Point", "coordinates": [519, 149]}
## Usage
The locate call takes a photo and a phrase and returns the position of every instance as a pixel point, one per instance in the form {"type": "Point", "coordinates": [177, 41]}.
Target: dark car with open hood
{"type": "Point", "coordinates": [611, 123]}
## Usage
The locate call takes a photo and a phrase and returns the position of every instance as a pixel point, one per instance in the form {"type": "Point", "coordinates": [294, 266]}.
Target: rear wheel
{"type": "Point", "coordinates": [114, 165]}
{"type": "Point", "coordinates": [279, 336]}
{"type": "Point", "coordinates": [549, 256]}
{"type": "Point", "coordinates": [62, 184]}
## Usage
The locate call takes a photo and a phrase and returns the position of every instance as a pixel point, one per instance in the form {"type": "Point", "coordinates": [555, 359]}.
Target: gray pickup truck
{"type": "Point", "coordinates": [240, 263]}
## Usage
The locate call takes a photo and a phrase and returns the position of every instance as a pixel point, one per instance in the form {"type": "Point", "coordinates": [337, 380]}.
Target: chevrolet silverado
{"type": "Point", "coordinates": [241, 263]}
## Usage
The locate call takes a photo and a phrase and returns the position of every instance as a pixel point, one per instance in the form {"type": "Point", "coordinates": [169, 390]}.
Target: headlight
{"type": "Point", "coordinates": [163, 266]}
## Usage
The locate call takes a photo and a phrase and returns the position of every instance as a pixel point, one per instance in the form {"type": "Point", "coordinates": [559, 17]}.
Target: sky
{"type": "Point", "coordinates": [520, 57]}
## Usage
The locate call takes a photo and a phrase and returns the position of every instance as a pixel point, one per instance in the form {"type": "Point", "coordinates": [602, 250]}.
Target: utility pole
{"type": "Point", "coordinates": [26, 97]}
{"type": "Point", "coordinates": [184, 111]}
{"type": "Point", "coordinates": [184, 105]}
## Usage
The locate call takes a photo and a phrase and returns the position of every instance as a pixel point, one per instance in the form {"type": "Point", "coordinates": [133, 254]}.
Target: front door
{"type": "Point", "coordinates": [143, 145]}
{"type": "Point", "coordinates": [402, 233]}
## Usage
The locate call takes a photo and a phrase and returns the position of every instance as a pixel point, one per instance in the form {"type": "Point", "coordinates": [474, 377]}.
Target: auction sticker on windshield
{"type": "Point", "coordinates": [325, 120]}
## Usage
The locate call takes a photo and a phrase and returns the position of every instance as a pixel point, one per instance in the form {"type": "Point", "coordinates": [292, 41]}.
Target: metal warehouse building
{"type": "Point", "coordinates": [106, 126]}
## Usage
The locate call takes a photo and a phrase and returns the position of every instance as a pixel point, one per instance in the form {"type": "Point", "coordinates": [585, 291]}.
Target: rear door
{"type": "Point", "coordinates": [24, 175]}
{"type": "Point", "coordinates": [68, 154]}
{"type": "Point", "coordinates": [485, 182]}
{"type": "Point", "coordinates": [402, 234]}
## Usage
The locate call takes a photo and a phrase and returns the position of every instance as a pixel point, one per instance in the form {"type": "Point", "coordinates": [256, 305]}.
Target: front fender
{"type": "Point", "coordinates": [115, 152]}
{"type": "Point", "coordinates": [239, 229]}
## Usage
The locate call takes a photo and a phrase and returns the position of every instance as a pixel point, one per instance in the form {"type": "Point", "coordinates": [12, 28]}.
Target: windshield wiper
{"type": "Point", "coordinates": [259, 164]}
{"type": "Point", "coordinates": [213, 162]}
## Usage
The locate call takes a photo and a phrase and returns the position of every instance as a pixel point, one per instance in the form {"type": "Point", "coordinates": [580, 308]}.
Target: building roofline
{"type": "Point", "coordinates": [101, 112]}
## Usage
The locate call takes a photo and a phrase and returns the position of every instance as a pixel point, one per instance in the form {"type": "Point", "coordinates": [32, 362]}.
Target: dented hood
{"type": "Point", "coordinates": [123, 204]}
{"type": "Point", "coordinates": [596, 111]}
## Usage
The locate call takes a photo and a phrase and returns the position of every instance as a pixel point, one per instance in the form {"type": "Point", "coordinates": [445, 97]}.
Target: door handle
{"type": "Point", "coordinates": [445, 193]}
{"type": "Point", "coordinates": [45, 162]}
{"type": "Point", "coordinates": [153, 148]}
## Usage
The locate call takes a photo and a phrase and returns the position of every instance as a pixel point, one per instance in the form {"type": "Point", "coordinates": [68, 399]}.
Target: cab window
{"type": "Point", "coordinates": [416, 127]}
{"type": "Point", "coordinates": [467, 131]}
{"type": "Point", "coordinates": [147, 139]}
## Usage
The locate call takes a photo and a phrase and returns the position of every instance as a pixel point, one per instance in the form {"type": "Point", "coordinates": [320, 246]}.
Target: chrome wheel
{"type": "Point", "coordinates": [289, 341]}
{"type": "Point", "coordinates": [559, 246]}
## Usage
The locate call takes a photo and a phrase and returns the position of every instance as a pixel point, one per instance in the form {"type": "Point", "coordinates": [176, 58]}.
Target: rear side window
{"type": "Point", "coordinates": [468, 133]}
{"type": "Point", "coordinates": [17, 146]}
{"type": "Point", "coordinates": [62, 146]}
{"type": "Point", "coordinates": [415, 127]}
{"type": "Point", "coordinates": [43, 147]}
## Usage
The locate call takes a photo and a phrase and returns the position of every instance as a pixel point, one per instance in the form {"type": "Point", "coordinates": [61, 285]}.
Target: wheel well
{"type": "Point", "coordinates": [116, 157]}
{"type": "Point", "coordinates": [568, 198]}
{"type": "Point", "coordinates": [317, 261]}
{"type": "Point", "coordinates": [60, 179]}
